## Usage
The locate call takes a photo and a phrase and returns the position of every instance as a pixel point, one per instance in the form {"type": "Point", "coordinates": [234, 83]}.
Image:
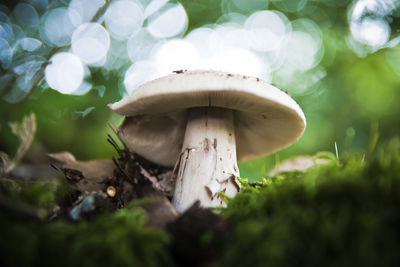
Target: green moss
{"type": "Point", "coordinates": [344, 213]}
{"type": "Point", "coordinates": [117, 239]}
{"type": "Point", "coordinates": [39, 194]}
{"type": "Point", "coordinates": [111, 240]}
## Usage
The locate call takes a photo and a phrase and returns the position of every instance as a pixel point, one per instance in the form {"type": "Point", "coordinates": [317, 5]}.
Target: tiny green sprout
{"type": "Point", "coordinates": [336, 151]}
{"type": "Point", "coordinates": [224, 196]}
{"type": "Point", "coordinates": [243, 181]}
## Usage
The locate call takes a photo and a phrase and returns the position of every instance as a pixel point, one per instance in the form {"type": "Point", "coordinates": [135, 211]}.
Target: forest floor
{"type": "Point", "coordinates": [317, 210]}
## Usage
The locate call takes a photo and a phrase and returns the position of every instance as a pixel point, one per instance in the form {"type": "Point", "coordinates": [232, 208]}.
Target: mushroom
{"type": "Point", "coordinates": [202, 122]}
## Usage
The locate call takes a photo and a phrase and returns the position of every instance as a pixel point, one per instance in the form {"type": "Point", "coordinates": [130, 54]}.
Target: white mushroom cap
{"type": "Point", "coordinates": [266, 119]}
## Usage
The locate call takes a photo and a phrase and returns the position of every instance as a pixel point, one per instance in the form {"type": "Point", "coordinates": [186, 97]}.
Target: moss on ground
{"type": "Point", "coordinates": [111, 239]}
{"type": "Point", "coordinates": [344, 213]}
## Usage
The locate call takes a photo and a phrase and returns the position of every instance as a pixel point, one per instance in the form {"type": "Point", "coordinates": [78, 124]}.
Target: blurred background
{"type": "Point", "coordinates": [65, 60]}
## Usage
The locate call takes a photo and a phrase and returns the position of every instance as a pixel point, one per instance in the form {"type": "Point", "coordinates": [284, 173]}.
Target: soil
{"type": "Point", "coordinates": [196, 234]}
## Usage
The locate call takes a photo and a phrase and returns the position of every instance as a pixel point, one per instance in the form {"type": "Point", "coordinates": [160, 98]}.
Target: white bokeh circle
{"type": "Point", "coordinates": [65, 72]}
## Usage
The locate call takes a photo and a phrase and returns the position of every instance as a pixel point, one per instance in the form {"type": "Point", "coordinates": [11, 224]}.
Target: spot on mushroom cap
{"type": "Point", "coordinates": [266, 118]}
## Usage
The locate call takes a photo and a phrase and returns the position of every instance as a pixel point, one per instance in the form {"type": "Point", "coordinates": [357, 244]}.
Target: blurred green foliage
{"type": "Point", "coordinates": [62, 123]}
{"type": "Point", "coordinates": [38, 194]}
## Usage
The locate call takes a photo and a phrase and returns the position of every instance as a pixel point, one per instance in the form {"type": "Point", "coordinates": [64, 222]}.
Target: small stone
{"type": "Point", "coordinates": [111, 191]}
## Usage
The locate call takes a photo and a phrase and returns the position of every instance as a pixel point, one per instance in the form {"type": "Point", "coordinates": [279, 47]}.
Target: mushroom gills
{"type": "Point", "coordinates": [208, 163]}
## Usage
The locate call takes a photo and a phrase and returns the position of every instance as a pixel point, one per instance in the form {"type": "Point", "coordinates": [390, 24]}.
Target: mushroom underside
{"type": "Point", "coordinates": [159, 137]}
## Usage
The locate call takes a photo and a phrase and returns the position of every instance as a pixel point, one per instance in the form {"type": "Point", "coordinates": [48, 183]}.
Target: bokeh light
{"type": "Point", "coordinates": [124, 34]}
{"type": "Point", "coordinates": [26, 15]}
{"type": "Point", "coordinates": [29, 44]}
{"type": "Point", "coordinates": [300, 50]}
{"type": "Point", "coordinates": [90, 41]}
{"type": "Point", "coordinates": [303, 47]}
{"type": "Point", "coordinates": [16, 32]}
{"type": "Point", "coordinates": [154, 6]}
{"type": "Point", "coordinates": [83, 88]}
{"type": "Point", "coordinates": [232, 35]}
{"type": "Point", "coordinates": [175, 55]}
{"type": "Point", "coordinates": [207, 41]}
{"type": "Point", "coordinates": [5, 53]}
{"type": "Point", "coordinates": [259, 44]}
{"type": "Point", "coordinates": [57, 26]}
{"type": "Point", "coordinates": [139, 73]}
{"type": "Point", "coordinates": [237, 60]}
{"type": "Point", "coordinates": [371, 31]}
{"type": "Point", "coordinates": [267, 30]}
{"type": "Point", "coordinates": [39, 4]}
{"type": "Point", "coordinates": [82, 11]}
{"type": "Point", "coordinates": [123, 18]}
{"type": "Point", "coordinates": [369, 25]}
{"type": "Point", "coordinates": [5, 31]}
{"type": "Point", "coordinates": [65, 72]}
{"type": "Point", "coordinates": [25, 72]}
{"type": "Point", "coordinates": [168, 21]}
{"type": "Point", "coordinates": [140, 45]}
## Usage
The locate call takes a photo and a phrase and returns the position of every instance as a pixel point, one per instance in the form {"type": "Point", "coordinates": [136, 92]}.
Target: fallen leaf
{"type": "Point", "coordinates": [115, 183]}
{"type": "Point", "coordinates": [84, 176]}
{"type": "Point", "coordinates": [5, 162]}
{"type": "Point", "coordinates": [25, 131]}
{"type": "Point", "coordinates": [299, 163]}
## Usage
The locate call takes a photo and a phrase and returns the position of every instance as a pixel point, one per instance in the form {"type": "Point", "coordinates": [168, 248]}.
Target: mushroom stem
{"type": "Point", "coordinates": [208, 163]}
